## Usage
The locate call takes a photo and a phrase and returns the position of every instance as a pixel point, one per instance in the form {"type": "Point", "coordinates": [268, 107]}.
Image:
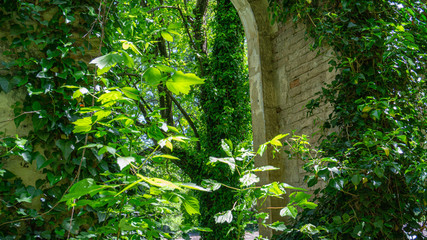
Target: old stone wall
{"type": "Point", "coordinates": [284, 75]}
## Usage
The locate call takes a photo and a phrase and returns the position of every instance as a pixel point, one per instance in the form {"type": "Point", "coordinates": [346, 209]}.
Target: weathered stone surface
{"type": "Point", "coordinates": [284, 75]}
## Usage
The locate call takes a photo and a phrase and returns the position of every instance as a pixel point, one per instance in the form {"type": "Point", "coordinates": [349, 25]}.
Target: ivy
{"type": "Point", "coordinates": [376, 187]}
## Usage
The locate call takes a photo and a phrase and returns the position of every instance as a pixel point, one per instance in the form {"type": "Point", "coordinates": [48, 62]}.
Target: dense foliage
{"type": "Point", "coordinates": [376, 181]}
{"type": "Point", "coordinates": [224, 100]}
{"type": "Point", "coordinates": [111, 102]}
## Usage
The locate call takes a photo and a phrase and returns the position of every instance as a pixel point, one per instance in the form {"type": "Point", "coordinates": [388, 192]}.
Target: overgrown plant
{"type": "Point", "coordinates": [376, 188]}
{"type": "Point", "coordinates": [249, 207]}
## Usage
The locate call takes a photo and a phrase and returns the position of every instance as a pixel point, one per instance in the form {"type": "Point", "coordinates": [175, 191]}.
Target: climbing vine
{"type": "Point", "coordinates": [41, 58]}
{"type": "Point", "coordinates": [376, 187]}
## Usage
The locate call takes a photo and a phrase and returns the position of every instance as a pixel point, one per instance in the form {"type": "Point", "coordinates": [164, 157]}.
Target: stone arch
{"type": "Point", "coordinates": [284, 74]}
{"type": "Point", "coordinates": [255, 19]}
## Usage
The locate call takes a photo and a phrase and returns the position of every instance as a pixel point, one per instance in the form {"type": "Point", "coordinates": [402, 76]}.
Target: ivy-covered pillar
{"type": "Point", "coordinates": [224, 100]}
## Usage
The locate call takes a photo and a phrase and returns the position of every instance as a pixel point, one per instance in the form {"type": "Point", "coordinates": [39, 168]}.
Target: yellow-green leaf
{"type": "Point", "coordinates": [167, 36]}
{"type": "Point", "coordinates": [366, 109]}
{"type": "Point", "coordinates": [131, 93]}
{"type": "Point", "coordinates": [153, 76]}
{"type": "Point", "coordinates": [166, 156]}
{"type": "Point", "coordinates": [182, 82]}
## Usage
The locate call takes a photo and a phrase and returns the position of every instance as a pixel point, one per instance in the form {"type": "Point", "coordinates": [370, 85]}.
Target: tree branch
{"type": "Point", "coordinates": [187, 117]}
{"type": "Point", "coordinates": [7, 120]}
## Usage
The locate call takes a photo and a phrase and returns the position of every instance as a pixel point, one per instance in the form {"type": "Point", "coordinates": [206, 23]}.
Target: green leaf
{"type": "Point", "coordinates": [249, 179]}
{"type": "Point", "coordinates": [79, 93]}
{"type": "Point", "coordinates": [229, 161]}
{"type": "Point", "coordinates": [174, 26]}
{"type": "Point", "coordinates": [366, 109]}
{"type": "Point", "coordinates": [355, 179]}
{"type": "Point", "coordinates": [261, 149]}
{"type": "Point", "coordinates": [309, 229]}
{"type": "Point", "coordinates": [20, 143]}
{"type": "Point", "coordinates": [131, 45]}
{"type": "Point", "coordinates": [81, 188]}
{"type": "Point", "coordinates": [53, 179]}
{"type": "Point", "coordinates": [376, 114]}
{"type": "Point", "coordinates": [278, 226]}
{"type": "Point", "coordinates": [131, 93]}
{"type": "Point", "coordinates": [403, 138]}
{"type": "Point", "coordinates": [153, 76]}
{"type": "Point", "coordinates": [26, 156]}
{"type": "Point", "coordinates": [337, 183]}
{"type": "Point", "coordinates": [379, 171]}
{"type": "Point", "coordinates": [164, 68]}
{"type": "Point", "coordinates": [400, 28]}
{"type": "Point", "coordinates": [345, 217]}
{"type": "Point", "coordinates": [223, 217]}
{"type": "Point", "coordinates": [276, 140]}
{"type": "Point", "coordinates": [66, 147]}
{"type": "Point", "coordinates": [158, 182]}
{"type": "Point", "coordinates": [299, 197]}
{"type": "Point", "coordinates": [40, 160]}
{"type": "Point", "coordinates": [287, 186]}
{"type": "Point", "coordinates": [24, 198]}
{"type": "Point", "coordinates": [307, 204]}
{"type": "Point", "coordinates": [194, 187]}
{"type": "Point", "coordinates": [191, 205]}
{"type": "Point", "coordinates": [112, 96]}
{"type": "Point", "coordinates": [127, 59]}
{"type": "Point", "coordinates": [273, 189]}
{"type": "Point", "coordinates": [166, 156]}
{"type": "Point", "coordinates": [129, 186]}
{"type": "Point", "coordinates": [289, 211]}
{"type": "Point", "coordinates": [124, 161]}
{"type": "Point", "coordinates": [264, 168]}
{"type": "Point", "coordinates": [211, 184]}
{"type": "Point", "coordinates": [167, 36]}
{"type": "Point", "coordinates": [5, 85]}
{"type": "Point", "coordinates": [104, 63]}
{"type": "Point", "coordinates": [379, 223]}
{"type": "Point", "coordinates": [182, 82]}
{"type": "Point", "coordinates": [225, 145]}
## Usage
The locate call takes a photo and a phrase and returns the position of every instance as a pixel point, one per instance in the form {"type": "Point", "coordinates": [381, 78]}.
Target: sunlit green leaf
{"type": "Point", "coordinates": [131, 93]}
{"type": "Point", "coordinates": [104, 63]}
{"type": "Point", "coordinates": [191, 205]}
{"type": "Point", "coordinates": [182, 82]}
{"type": "Point", "coordinates": [167, 36]}
{"type": "Point", "coordinates": [223, 217]}
{"type": "Point", "coordinates": [249, 179]}
{"type": "Point", "coordinates": [124, 161]}
{"type": "Point", "coordinates": [289, 211]}
{"type": "Point", "coordinates": [153, 76]}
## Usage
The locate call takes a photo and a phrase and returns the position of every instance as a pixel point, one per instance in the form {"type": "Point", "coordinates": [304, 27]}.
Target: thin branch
{"type": "Point", "coordinates": [187, 117]}
{"type": "Point", "coordinates": [128, 74]}
{"type": "Point", "coordinates": [30, 112]}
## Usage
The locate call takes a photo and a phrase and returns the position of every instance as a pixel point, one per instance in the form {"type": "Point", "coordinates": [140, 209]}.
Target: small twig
{"type": "Point", "coordinates": [312, 21]}
{"type": "Point", "coordinates": [187, 117]}
{"type": "Point", "coordinates": [30, 112]}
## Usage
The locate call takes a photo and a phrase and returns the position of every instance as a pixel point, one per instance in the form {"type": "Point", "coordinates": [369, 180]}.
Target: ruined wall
{"type": "Point", "coordinates": [284, 75]}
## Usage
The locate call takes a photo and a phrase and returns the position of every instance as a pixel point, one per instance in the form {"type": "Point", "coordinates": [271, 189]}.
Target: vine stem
{"type": "Point", "coordinates": [24, 113]}
{"type": "Point", "coordinates": [102, 20]}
